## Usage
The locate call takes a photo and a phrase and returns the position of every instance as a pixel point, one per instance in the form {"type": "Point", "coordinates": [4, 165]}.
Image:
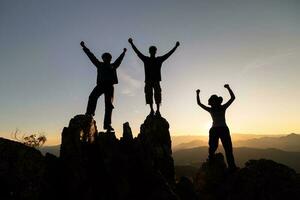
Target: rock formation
{"type": "Point", "coordinates": [259, 180]}
{"type": "Point", "coordinates": [25, 173]}
{"type": "Point", "coordinates": [97, 165]}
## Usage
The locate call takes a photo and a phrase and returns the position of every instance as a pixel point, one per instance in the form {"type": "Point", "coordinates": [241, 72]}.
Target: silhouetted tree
{"type": "Point", "coordinates": [32, 140]}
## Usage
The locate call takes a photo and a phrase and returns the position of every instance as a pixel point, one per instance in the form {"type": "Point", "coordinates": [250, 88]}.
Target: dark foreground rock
{"type": "Point", "coordinates": [265, 179]}
{"type": "Point", "coordinates": [100, 166]}
{"type": "Point", "coordinates": [26, 174]}
{"type": "Point", "coordinates": [259, 179]}
{"type": "Point", "coordinates": [97, 165]}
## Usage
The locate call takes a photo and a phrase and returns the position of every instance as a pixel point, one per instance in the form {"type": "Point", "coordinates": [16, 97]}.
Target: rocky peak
{"type": "Point", "coordinates": [136, 168]}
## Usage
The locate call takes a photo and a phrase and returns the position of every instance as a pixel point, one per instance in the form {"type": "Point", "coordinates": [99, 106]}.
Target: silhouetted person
{"type": "Point", "coordinates": [152, 67]}
{"type": "Point", "coordinates": [219, 129]}
{"type": "Point", "coordinates": [106, 78]}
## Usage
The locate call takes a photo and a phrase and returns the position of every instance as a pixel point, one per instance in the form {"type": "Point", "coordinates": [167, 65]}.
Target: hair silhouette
{"type": "Point", "coordinates": [215, 100]}
{"type": "Point", "coordinates": [152, 50]}
{"type": "Point", "coordinates": [106, 57]}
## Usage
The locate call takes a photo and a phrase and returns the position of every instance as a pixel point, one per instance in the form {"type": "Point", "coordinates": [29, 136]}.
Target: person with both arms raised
{"type": "Point", "coordinates": [152, 67]}
{"type": "Point", "coordinates": [106, 78]}
{"type": "Point", "coordinates": [219, 129]}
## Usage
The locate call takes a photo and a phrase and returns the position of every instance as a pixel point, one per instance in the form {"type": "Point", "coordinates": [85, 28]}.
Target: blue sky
{"type": "Point", "coordinates": [45, 78]}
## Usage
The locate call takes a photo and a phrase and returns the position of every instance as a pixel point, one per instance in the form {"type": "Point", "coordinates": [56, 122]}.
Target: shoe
{"type": "Point", "coordinates": [151, 113]}
{"type": "Point", "coordinates": [88, 114]}
{"type": "Point", "coordinates": [109, 128]}
{"type": "Point", "coordinates": [157, 113]}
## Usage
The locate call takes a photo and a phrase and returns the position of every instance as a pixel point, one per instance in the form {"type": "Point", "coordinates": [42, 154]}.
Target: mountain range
{"type": "Point", "coordinates": [289, 142]}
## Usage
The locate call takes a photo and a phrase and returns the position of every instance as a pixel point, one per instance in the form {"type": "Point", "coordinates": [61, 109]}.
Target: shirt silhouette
{"type": "Point", "coordinates": [106, 78]}
{"type": "Point", "coordinates": [106, 72]}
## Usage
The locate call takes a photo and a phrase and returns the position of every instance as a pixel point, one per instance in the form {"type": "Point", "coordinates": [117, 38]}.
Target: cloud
{"type": "Point", "coordinates": [129, 84]}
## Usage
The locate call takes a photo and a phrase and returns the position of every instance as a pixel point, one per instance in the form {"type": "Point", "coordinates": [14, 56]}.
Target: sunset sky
{"type": "Point", "coordinates": [254, 45]}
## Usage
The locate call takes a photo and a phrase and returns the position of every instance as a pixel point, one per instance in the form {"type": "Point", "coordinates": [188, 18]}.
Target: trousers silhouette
{"type": "Point", "coordinates": [216, 133]}
{"type": "Point", "coordinates": [149, 87]}
{"type": "Point", "coordinates": [108, 91]}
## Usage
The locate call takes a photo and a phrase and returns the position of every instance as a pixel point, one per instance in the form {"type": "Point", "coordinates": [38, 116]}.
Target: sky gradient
{"type": "Point", "coordinates": [45, 78]}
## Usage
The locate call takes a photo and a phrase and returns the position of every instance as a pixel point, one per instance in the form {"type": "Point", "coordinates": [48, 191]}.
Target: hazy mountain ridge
{"type": "Point", "coordinates": [195, 156]}
{"type": "Point", "coordinates": [188, 145]}
{"type": "Point", "coordinates": [50, 149]}
{"type": "Point", "coordinates": [290, 142]}
{"type": "Point", "coordinates": [176, 140]}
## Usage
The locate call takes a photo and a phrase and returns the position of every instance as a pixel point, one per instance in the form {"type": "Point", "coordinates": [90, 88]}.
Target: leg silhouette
{"type": "Point", "coordinates": [151, 109]}
{"type": "Point", "coordinates": [93, 98]}
{"type": "Point", "coordinates": [109, 96]}
{"type": "Point", "coordinates": [213, 142]}
{"type": "Point", "coordinates": [157, 95]}
{"type": "Point", "coordinates": [149, 96]}
{"type": "Point", "coordinates": [227, 144]}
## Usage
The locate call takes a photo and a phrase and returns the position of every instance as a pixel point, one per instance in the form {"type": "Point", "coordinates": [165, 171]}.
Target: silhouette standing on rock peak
{"type": "Point", "coordinates": [152, 67]}
{"type": "Point", "coordinates": [106, 78]}
{"type": "Point", "coordinates": [219, 129]}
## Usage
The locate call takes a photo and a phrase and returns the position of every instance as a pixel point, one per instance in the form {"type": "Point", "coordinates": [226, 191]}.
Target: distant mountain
{"type": "Point", "coordinates": [191, 144]}
{"type": "Point", "coordinates": [289, 142]}
{"type": "Point", "coordinates": [50, 149]}
{"type": "Point", "coordinates": [195, 156]}
{"type": "Point", "coordinates": [176, 140]}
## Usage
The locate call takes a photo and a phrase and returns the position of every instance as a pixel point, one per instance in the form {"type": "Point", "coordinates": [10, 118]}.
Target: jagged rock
{"type": "Point", "coordinates": [81, 131]}
{"type": "Point", "coordinates": [127, 133]}
{"type": "Point", "coordinates": [155, 137]}
{"type": "Point", "coordinates": [210, 176]}
{"type": "Point", "coordinates": [104, 167]}
{"type": "Point", "coordinates": [265, 179]}
{"type": "Point", "coordinates": [259, 179]}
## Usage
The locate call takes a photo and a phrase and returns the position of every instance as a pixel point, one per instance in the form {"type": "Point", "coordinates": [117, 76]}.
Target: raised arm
{"type": "Point", "coordinates": [91, 56]}
{"type": "Point", "coordinates": [167, 55]}
{"type": "Point", "coordinates": [199, 102]}
{"type": "Point", "coordinates": [139, 54]}
{"type": "Point", "coordinates": [232, 96]}
{"type": "Point", "coordinates": [118, 61]}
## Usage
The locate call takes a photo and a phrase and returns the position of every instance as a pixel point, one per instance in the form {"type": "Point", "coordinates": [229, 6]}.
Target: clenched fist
{"type": "Point", "coordinates": [82, 44]}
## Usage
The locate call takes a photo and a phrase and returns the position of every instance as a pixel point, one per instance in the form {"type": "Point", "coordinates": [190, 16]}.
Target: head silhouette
{"type": "Point", "coordinates": [152, 50]}
{"type": "Point", "coordinates": [215, 101]}
{"type": "Point", "coordinates": [106, 57]}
